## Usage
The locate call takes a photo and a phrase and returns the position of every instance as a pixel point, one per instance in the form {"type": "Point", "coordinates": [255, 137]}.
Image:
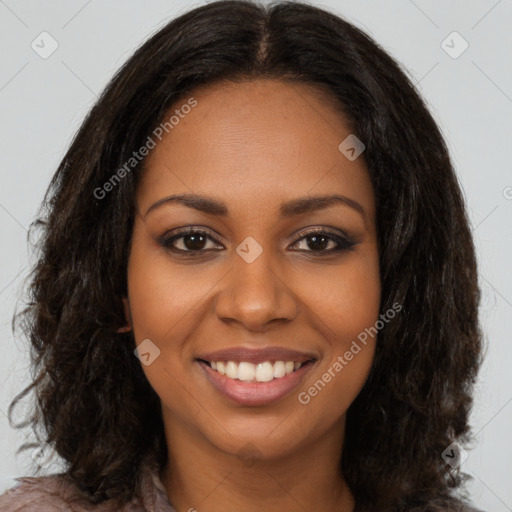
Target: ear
{"type": "Point", "coordinates": [127, 316]}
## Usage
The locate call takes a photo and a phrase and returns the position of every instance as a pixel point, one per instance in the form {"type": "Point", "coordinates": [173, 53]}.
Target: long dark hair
{"type": "Point", "coordinates": [93, 402]}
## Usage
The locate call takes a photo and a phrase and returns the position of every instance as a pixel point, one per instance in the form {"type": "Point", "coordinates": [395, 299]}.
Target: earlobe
{"type": "Point", "coordinates": [128, 326]}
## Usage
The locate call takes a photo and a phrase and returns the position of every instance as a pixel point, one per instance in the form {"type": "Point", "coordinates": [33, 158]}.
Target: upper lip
{"type": "Point", "coordinates": [258, 355]}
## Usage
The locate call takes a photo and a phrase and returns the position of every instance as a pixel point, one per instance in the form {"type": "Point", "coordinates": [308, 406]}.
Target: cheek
{"type": "Point", "coordinates": [346, 298]}
{"type": "Point", "coordinates": [346, 305]}
{"type": "Point", "coordinates": [164, 304]}
{"type": "Point", "coordinates": [163, 295]}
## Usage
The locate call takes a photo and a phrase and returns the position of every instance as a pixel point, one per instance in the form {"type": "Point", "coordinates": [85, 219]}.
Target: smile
{"type": "Point", "coordinates": [256, 376]}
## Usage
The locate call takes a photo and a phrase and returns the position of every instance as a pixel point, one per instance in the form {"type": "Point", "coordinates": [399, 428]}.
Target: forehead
{"type": "Point", "coordinates": [255, 141]}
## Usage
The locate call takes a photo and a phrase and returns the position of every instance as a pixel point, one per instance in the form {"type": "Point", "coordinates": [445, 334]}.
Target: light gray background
{"type": "Point", "coordinates": [43, 101]}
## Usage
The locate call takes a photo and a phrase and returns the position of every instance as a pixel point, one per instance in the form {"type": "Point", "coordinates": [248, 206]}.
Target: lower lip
{"type": "Point", "coordinates": [255, 393]}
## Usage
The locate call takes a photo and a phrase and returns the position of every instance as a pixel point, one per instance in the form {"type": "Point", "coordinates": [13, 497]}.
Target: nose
{"type": "Point", "coordinates": [255, 294]}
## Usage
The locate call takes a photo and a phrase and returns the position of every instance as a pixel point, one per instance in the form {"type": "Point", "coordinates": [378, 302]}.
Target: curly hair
{"type": "Point", "coordinates": [93, 403]}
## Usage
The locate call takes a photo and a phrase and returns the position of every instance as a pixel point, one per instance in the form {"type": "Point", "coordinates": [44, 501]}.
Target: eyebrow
{"type": "Point", "coordinates": [289, 209]}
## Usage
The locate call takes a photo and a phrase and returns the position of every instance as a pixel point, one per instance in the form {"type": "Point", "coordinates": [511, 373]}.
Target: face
{"type": "Point", "coordinates": [252, 271]}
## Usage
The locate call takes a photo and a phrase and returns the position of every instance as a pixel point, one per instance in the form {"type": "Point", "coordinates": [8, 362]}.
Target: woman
{"type": "Point", "coordinates": [257, 284]}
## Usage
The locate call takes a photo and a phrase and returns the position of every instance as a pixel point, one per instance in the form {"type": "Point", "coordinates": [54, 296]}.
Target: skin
{"type": "Point", "coordinates": [254, 145]}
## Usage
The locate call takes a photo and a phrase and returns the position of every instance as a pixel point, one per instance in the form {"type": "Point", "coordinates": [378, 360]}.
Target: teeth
{"type": "Point", "coordinates": [261, 372]}
{"type": "Point", "coordinates": [264, 372]}
{"type": "Point", "coordinates": [279, 369]}
{"type": "Point", "coordinates": [246, 371]}
{"type": "Point", "coordinates": [232, 370]}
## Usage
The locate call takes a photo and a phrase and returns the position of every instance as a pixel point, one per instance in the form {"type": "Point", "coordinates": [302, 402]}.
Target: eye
{"type": "Point", "coordinates": [189, 240]}
{"type": "Point", "coordinates": [194, 241]}
{"type": "Point", "coordinates": [324, 242]}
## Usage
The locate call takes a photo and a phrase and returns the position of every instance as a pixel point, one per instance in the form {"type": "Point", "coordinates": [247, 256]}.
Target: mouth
{"type": "Point", "coordinates": [256, 377]}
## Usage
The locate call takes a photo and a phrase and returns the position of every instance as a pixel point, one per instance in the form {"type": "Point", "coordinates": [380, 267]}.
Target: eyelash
{"type": "Point", "coordinates": [344, 243]}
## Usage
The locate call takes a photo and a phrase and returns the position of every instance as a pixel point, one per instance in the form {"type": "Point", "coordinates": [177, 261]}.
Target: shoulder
{"type": "Point", "coordinates": [43, 494]}
{"type": "Point", "coordinates": [58, 493]}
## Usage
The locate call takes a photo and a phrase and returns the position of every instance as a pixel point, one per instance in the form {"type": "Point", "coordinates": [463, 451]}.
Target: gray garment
{"type": "Point", "coordinates": [56, 494]}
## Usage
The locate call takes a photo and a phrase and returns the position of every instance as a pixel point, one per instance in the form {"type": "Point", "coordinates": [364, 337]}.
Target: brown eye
{"type": "Point", "coordinates": [189, 241]}
{"type": "Point", "coordinates": [316, 242]}
{"type": "Point", "coordinates": [324, 242]}
{"type": "Point", "coordinates": [194, 242]}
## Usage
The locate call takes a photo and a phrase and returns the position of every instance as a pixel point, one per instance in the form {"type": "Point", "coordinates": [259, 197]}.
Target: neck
{"type": "Point", "coordinates": [202, 477]}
